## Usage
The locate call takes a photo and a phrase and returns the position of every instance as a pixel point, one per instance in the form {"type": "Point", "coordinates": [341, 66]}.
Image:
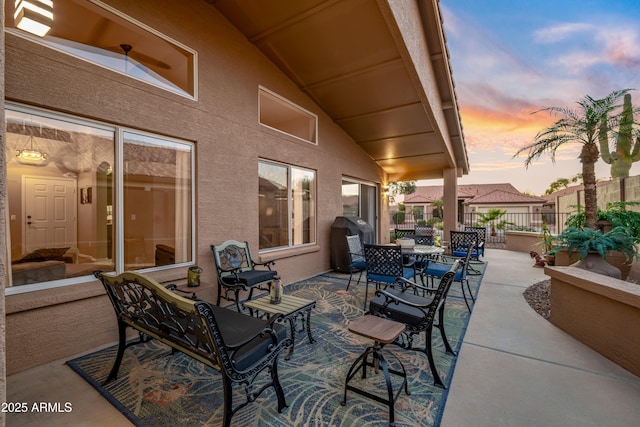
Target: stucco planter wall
{"type": "Point", "coordinates": [524, 241]}
{"type": "Point", "coordinates": [600, 311]}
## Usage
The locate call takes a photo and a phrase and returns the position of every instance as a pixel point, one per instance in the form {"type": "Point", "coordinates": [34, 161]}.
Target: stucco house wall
{"type": "Point", "coordinates": [516, 209]}
{"type": "Point", "coordinates": [632, 189]}
{"type": "Point", "coordinates": [627, 189]}
{"type": "Point", "coordinates": [55, 323]}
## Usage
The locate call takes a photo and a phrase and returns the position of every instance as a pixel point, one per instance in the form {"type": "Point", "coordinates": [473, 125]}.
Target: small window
{"type": "Point", "coordinates": [98, 33]}
{"type": "Point", "coordinates": [281, 114]}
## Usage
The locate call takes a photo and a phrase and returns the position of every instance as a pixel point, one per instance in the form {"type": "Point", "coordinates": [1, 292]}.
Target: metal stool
{"type": "Point", "coordinates": [382, 331]}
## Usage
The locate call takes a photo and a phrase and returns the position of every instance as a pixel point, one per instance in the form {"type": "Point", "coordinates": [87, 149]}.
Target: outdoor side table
{"type": "Point", "coordinates": [196, 293]}
{"type": "Point", "coordinates": [382, 331]}
{"type": "Point", "coordinates": [291, 308]}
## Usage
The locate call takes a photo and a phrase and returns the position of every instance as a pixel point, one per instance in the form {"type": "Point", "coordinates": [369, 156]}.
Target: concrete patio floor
{"type": "Point", "coordinates": [517, 369]}
{"type": "Point", "coordinates": [514, 369]}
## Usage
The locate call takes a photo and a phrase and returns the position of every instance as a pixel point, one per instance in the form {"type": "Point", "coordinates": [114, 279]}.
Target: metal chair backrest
{"type": "Point", "coordinates": [355, 248]}
{"type": "Point", "coordinates": [421, 240]}
{"type": "Point", "coordinates": [424, 230]}
{"type": "Point", "coordinates": [460, 240]}
{"type": "Point", "coordinates": [440, 295]}
{"type": "Point", "coordinates": [383, 260]}
{"type": "Point", "coordinates": [464, 242]}
{"type": "Point", "coordinates": [403, 232]}
{"type": "Point", "coordinates": [232, 255]}
{"type": "Point", "coordinates": [482, 233]}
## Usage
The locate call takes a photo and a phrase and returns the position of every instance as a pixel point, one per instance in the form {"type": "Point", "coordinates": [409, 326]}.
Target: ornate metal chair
{"type": "Point", "coordinates": [356, 254]}
{"type": "Point", "coordinates": [461, 240]}
{"type": "Point", "coordinates": [421, 262]}
{"type": "Point", "coordinates": [418, 313]}
{"type": "Point", "coordinates": [482, 238]}
{"type": "Point", "coordinates": [465, 241]}
{"type": "Point", "coordinates": [385, 266]}
{"type": "Point", "coordinates": [237, 271]}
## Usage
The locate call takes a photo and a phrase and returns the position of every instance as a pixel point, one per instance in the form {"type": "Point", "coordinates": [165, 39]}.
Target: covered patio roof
{"type": "Point", "coordinates": [379, 69]}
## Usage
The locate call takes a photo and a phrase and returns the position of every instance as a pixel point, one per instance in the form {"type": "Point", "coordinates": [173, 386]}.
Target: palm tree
{"type": "Point", "coordinates": [491, 217]}
{"type": "Point", "coordinates": [581, 126]}
{"type": "Point", "coordinates": [438, 206]}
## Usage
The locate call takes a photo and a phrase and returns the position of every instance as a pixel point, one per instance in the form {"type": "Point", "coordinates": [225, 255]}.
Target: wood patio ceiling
{"type": "Point", "coordinates": [379, 69]}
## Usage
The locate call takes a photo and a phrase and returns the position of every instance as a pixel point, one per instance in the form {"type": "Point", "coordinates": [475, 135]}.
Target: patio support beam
{"type": "Point", "coordinates": [450, 201]}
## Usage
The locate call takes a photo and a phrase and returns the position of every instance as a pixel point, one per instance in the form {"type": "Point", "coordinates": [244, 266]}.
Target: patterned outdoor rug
{"type": "Point", "coordinates": [156, 388]}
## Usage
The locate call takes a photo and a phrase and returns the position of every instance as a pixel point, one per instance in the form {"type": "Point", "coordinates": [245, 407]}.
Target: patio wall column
{"type": "Point", "coordinates": [450, 201]}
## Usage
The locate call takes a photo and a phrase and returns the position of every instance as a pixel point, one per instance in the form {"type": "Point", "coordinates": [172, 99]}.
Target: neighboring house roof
{"type": "Point", "coordinates": [504, 197]}
{"type": "Point", "coordinates": [469, 193]}
{"type": "Point", "coordinates": [378, 69]}
{"type": "Point", "coordinates": [424, 194]}
{"type": "Point", "coordinates": [473, 191]}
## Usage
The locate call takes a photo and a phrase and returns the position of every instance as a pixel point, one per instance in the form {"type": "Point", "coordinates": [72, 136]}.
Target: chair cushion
{"type": "Point", "coordinates": [438, 269]}
{"type": "Point", "coordinates": [359, 264]}
{"type": "Point", "coordinates": [463, 253]}
{"type": "Point", "coordinates": [237, 327]}
{"type": "Point", "coordinates": [400, 312]}
{"type": "Point", "coordinates": [407, 273]}
{"type": "Point", "coordinates": [250, 277]}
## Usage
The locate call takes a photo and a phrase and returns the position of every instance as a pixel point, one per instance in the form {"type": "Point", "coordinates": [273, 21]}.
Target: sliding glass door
{"type": "Point", "coordinates": [360, 199]}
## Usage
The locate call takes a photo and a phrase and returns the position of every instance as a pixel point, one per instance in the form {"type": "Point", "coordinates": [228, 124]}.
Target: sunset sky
{"type": "Point", "coordinates": [513, 57]}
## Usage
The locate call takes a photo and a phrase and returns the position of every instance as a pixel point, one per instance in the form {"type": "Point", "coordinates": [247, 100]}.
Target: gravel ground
{"type": "Point", "coordinates": [537, 296]}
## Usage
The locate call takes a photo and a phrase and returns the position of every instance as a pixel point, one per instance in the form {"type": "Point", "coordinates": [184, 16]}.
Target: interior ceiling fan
{"type": "Point", "coordinates": [147, 60]}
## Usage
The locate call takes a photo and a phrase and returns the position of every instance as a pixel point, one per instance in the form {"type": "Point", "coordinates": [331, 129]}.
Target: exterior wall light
{"type": "Point", "coordinates": [34, 16]}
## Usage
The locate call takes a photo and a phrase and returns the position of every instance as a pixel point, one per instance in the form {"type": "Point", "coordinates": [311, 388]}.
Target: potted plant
{"type": "Point", "coordinates": [547, 242]}
{"type": "Point", "coordinates": [592, 247]}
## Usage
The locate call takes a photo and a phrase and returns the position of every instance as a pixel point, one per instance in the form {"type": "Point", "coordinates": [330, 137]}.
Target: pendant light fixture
{"type": "Point", "coordinates": [30, 154]}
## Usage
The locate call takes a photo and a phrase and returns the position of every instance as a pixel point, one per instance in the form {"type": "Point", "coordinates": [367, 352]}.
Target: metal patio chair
{"type": "Point", "coordinates": [385, 266]}
{"type": "Point", "coordinates": [357, 262]}
{"type": "Point", "coordinates": [465, 245]}
{"type": "Point", "coordinates": [237, 271]}
{"type": "Point", "coordinates": [418, 313]}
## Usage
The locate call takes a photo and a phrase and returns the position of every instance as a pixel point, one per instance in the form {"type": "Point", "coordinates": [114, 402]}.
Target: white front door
{"type": "Point", "coordinates": [49, 213]}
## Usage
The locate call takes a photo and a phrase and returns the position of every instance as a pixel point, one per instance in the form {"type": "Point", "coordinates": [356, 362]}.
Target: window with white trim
{"type": "Point", "coordinates": [98, 33]}
{"type": "Point", "coordinates": [287, 205]}
{"type": "Point", "coordinates": [85, 196]}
